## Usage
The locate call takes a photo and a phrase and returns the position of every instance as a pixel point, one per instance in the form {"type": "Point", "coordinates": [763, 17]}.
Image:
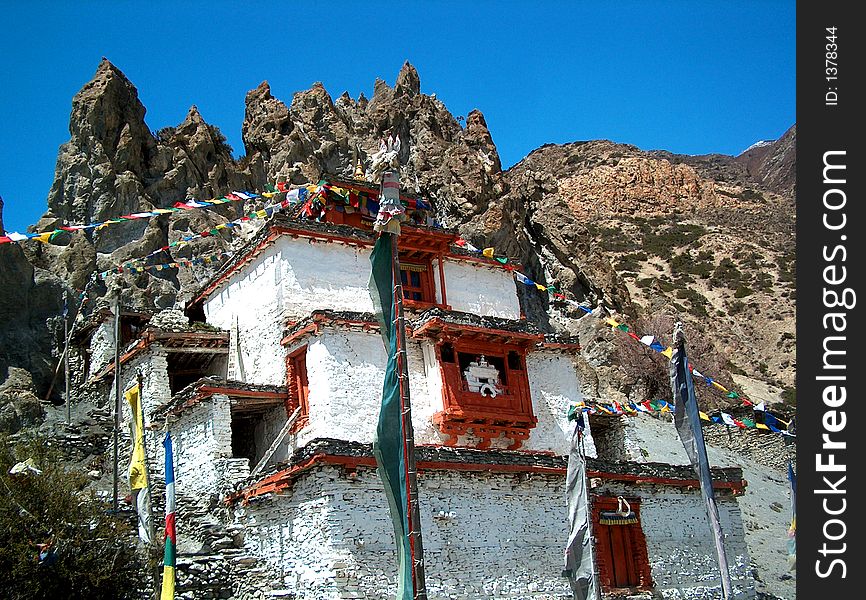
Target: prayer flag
{"type": "Point", "coordinates": [579, 564]}
{"type": "Point", "coordinates": [488, 252]}
{"type": "Point", "coordinates": [688, 425]}
{"type": "Point", "coordinates": [137, 467]}
{"type": "Point", "coordinates": [388, 442]}
{"type": "Point", "coordinates": [168, 559]}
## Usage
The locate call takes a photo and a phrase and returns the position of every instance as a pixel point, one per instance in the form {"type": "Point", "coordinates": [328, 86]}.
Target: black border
{"type": "Point", "coordinates": [821, 128]}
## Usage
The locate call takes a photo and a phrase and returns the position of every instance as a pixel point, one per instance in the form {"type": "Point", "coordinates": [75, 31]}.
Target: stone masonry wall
{"type": "Point", "coordinates": [679, 542]}
{"type": "Point", "coordinates": [484, 535]}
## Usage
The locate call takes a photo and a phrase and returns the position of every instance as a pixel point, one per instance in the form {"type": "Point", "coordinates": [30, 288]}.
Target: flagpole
{"type": "Point", "coordinates": [151, 532]}
{"type": "Point", "coordinates": [66, 355]}
{"type": "Point", "coordinates": [415, 543]}
{"type": "Point", "coordinates": [688, 425]}
{"type": "Point", "coordinates": [117, 385]}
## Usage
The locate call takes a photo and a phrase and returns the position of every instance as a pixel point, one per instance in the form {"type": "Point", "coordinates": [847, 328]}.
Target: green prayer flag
{"type": "Point", "coordinates": [388, 443]}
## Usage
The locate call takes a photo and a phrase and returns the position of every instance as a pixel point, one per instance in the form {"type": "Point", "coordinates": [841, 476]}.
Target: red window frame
{"type": "Point", "coordinates": [298, 387]}
{"type": "Point", "coordinates": [422, 294]}
{"type": "Point", "coordinates": [509, 413]}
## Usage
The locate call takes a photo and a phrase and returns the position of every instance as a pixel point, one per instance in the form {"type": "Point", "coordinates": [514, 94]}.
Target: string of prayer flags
{"type": "Point", "coordinates": [47, 236]}
{"type": "Point", "coordinates": [646, 340]}
{"type": "Point", "coordinates": [631, 409]}
{"type": "Point", "coordinates": [181, 262]}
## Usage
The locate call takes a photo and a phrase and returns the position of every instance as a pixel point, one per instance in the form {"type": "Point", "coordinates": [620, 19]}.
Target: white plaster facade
{"type": "Point", "coordinates": [295, 276]}
{"type": "Point", "coordinates": [346, 370]}
{"type": "Point", "coordinates": [484, 535]}
{"type": "Point", "coordinates": [328, 534]}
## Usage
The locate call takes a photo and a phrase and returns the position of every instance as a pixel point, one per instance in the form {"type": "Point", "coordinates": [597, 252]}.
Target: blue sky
{"type": "Point", "coordinates": [688, 77]}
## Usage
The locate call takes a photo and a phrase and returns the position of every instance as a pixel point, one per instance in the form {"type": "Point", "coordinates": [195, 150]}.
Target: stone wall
{"type": "Point", "coordinates": [484, 535]}
{"type": "Point", "coordinates": [679, 542]}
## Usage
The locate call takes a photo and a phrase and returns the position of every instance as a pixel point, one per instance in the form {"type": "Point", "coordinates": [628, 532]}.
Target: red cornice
{"type": "Point", "coordinates": [283, 479]}
{"type": "Point", "coordinates": [238, 264]}
{"type": "Point", "coordinates": [140, 346]}
{"type": "Point", "coordinates": [737, 487]}
{"type": "Point", "coordinates": [435, 326]}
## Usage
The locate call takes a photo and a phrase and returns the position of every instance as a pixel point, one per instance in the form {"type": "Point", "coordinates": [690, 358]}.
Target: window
{"type": "Point", "coordinates": [485, 392]}
{"type": "Point", "coordinates": [620, 543]}
{"type": "Point", "coordinates": [297, 386]}
{"type": "Point", "coordinates": [417, 282]}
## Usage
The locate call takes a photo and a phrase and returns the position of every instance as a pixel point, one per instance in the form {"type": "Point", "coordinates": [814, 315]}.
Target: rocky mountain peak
{"type": "Point", "coordinates": [600, 220]}
{"type": "Point", "coordinates": [408, 81]}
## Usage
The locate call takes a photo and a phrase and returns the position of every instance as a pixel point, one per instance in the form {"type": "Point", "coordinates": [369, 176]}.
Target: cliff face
{"type": "Point", "coordinates": [603, 221]}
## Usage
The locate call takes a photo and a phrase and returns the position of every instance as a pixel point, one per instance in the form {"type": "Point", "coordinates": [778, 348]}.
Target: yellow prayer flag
{"type": "Point", "coordinates": [720, 386]}
{"type": "Point", "coordinates": [704, 415]}
{"type": "Point", "coordinates": [43, 237]}
{"type": "Point", "coordinates": [612, 322]}
{"type": "Point", "coordinates": [268, 194]}
{"type": "Point", "coordinates": [167, 592]}
{"type": "Point", "coordinates": [761, 426]}
{"type": "Point", "coordinates": [669, 352]}
{"type": "Point", "coordinates": [488, 252]}
{"type": "Point", "coordinates": [137, 470]}
{"type": "Point", "coordinates": [261, 213]}
{"type": "Point", "coordinates": [541, 287]}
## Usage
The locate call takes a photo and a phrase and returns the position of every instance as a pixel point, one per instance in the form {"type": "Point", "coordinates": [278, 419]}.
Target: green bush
{"type": "Point", "coordinates": [93, 553]}
{"type": "Point", "coordinates": [743, 291]}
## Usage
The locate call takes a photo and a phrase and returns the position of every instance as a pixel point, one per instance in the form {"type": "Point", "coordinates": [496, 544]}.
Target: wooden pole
{"type": "Point", "coordinates": [117, 385]}
{"type": "Point", "coordinates": [66, 355]}
{"type": "Point", "coordinates": [415, 543]}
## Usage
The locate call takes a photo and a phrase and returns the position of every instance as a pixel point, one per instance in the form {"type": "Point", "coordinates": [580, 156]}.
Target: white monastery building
{"type": "Point", "coordinates": [271, 390]}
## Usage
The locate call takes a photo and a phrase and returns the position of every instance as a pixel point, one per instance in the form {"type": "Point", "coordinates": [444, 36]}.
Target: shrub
{"type": "Point", "coordinates": [94, 553]}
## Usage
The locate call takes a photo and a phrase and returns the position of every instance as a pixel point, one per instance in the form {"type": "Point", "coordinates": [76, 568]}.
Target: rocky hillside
{"type": "Point", "coordinates": [707, 238]}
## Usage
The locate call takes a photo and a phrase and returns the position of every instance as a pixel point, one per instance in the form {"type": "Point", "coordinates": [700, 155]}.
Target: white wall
{"type": "Point", "coordinates": [484, 534]}
{"type": "Point", "coordinates": [554, 385]}
{"type": "Point", "coordinates": [295, 276]}
{"type": "Point", "coordinates": [497, 535]}
{"type": "Point", "coordinates": [481, 290]}
{"type": "Point", "coordinates": [680, 545]}
{"type": "Point", "coordinates": [345, 372]}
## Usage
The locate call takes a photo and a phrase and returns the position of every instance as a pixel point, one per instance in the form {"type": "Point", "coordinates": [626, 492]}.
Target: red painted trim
{"type": "Point", "coordinates": [560, 346]}
{"type": "Point", "coordinates": [509, 266]}
{"type": "Point", "coordinates": [738, 487]}
{"type": "Point", "coordinates": [283, 479]}
{"type": "Point", "coordinates": [239, 264]}
{"type": "Point", "coordinates": [239, 392]}
{"type": "Point", "coordinates": [312, 328]}
{"type": "Point", "coordinates": [514, 337]}
{"type": "Point", "coordinates": [441, 259]}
